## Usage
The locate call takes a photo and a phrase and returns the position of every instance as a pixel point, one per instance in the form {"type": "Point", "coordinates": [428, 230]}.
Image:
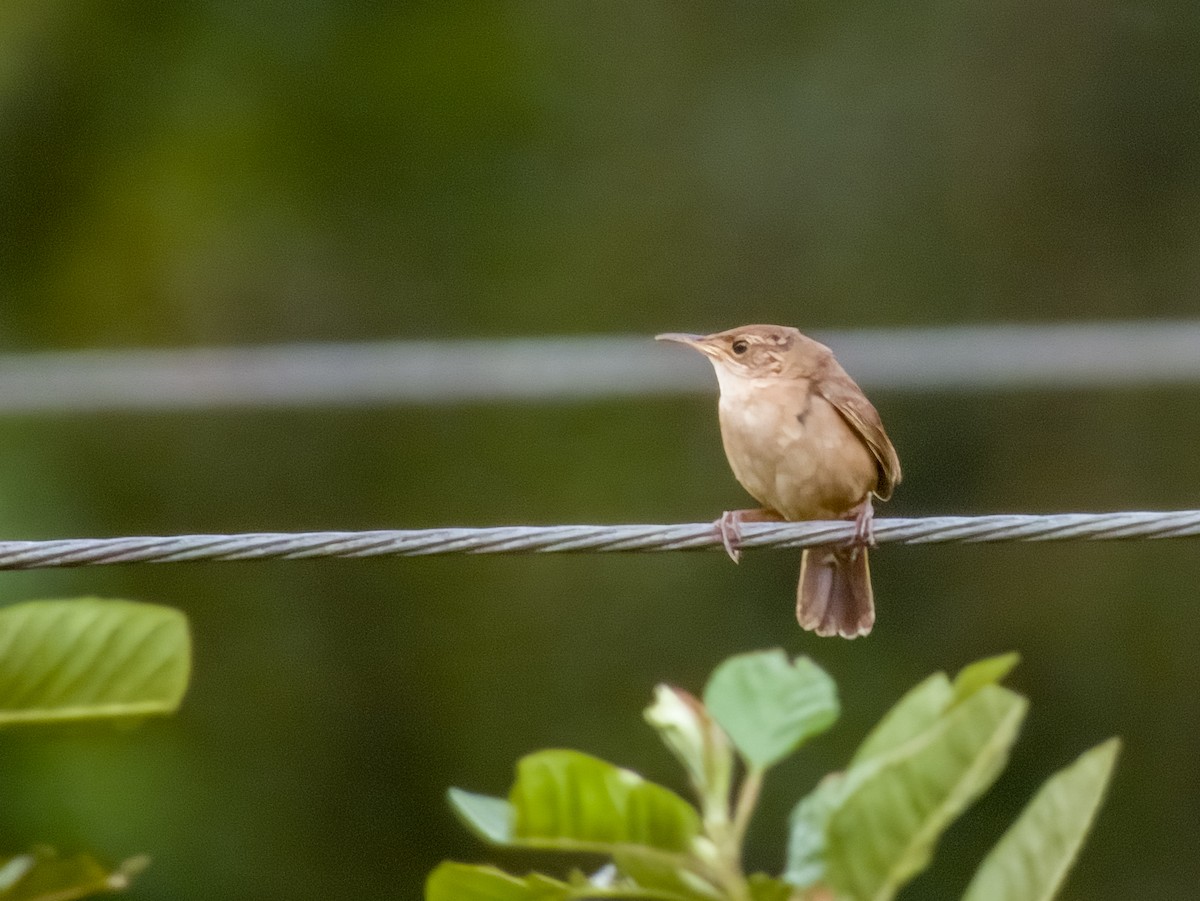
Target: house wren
{"type": "Point", "coordinates": [803, 439]}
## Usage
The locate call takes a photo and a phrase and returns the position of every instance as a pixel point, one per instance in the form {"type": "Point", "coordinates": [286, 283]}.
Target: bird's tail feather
{"type": "Point", "coordinates": [834, 596]}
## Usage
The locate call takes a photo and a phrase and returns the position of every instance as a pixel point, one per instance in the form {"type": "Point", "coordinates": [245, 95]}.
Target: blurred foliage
{"type": "Point", "coordinates": [45, 876]}
{"type": "Point", "coordinates": [252, 171]}
{"type": "Point", "coordinates": [91, 658]}
{"type": "Point", "coordinates": [223, 171]}
{"type": "Point", "coordinates": [860, 835]}
{"type": "Point", "coordinates": [86, 659]}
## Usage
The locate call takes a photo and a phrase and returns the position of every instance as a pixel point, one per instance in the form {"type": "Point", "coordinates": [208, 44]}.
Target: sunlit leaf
{"type": "Point", "coordinates": [89, 659]}
{"type": "Point", "coordinates": [661, 874]}
{"type": "Point", "coordinates": [924, 703]}
{"type": "Point", "coordinates": [989, 671]}
{"type": "Point", "coordinates": [915, 712]}
{"type": "Point", "coordinates": [896, 806]}
{"type": "Point", "coordinates": [867, 831]}
{"type": "Point", "coordinates": [463, 882]}
{"type": "Point", "coordinates": [44, 876]}
{"type": "Point", "coordinates": [808, 827]}
{"type": "Point", "coordinates": [489, 818]}
{"type": "Point", "coordinates": [769, 706]}
{"type": "Point", "coordinates": [567, 796]}
{"type": "Point", "coordinates": [693, 736]}
{"type": "Point", "coordinates": [765, 888]}
{"type": "Point", "coordinates": [567, 801]}
{"type": "Point", "coordinates": [1032, 859]}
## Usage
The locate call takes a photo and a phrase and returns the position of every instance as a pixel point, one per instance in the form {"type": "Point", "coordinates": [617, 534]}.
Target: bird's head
{"type": "Point", "coordinates": [750, 351]}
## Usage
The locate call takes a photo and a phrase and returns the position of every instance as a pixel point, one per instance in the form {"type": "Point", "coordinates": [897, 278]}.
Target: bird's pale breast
{"type": "Point", "coordinates": [793, 451]}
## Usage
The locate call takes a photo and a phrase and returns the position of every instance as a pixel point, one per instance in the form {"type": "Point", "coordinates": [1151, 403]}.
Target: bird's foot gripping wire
{"type": "Point", "coordinates": [729, 528]}
{"type": "Point", "coordinates": [864, 527]}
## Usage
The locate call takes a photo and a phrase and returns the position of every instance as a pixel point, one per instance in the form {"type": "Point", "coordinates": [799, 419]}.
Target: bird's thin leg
{"type": "Point", "coordinates": [864, 527]}
{"type": "Point", "coordinates": [729, 528]}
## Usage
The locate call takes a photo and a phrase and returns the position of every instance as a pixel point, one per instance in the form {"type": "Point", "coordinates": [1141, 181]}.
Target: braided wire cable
{"type": "Point", "coordinates": [69, 552]}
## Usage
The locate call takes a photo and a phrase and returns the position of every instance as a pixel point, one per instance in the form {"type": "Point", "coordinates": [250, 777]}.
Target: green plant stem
{"type": "Point", "coordinates": [730, 835]}
{"type": "Point", "coordinates": [747, 800]}
{"type": "Point", "coordinates": [734, 883]}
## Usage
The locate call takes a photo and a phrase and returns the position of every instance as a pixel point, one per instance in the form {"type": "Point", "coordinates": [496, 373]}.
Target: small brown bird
{"type": "Point", "coordinates": [804, 440]}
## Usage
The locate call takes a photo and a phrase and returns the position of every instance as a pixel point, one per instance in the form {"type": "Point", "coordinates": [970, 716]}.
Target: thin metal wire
{"type": "Point", "coordinates": [566, 539]}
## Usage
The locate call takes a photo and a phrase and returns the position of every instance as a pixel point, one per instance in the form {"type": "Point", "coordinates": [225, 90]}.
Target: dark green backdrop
{"type": "Point", "coordinates": [177, 174]}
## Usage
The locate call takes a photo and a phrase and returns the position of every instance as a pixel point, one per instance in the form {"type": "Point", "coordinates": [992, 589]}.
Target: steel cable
{"type": "Point", "coordinates": [66, 552]}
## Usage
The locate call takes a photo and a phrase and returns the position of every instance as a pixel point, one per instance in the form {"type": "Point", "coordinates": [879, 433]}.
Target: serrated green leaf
{"type": "Point", "coordinates": [463, 882]}
{"type": "Point", "coordinates": [769, 706]}
{"type": "Point", "coordinates": [489, 818]}
{"type": "Point", "coordinates": [566, 797]}
{"type": "Point", "coordinates": [90, 659]}
{"type": "Point", "coordinates": [989, 671]}
{"type": "Point", "coordinates": [44, 876]}
{"type": "Point", "coordinates": [1032, 859]}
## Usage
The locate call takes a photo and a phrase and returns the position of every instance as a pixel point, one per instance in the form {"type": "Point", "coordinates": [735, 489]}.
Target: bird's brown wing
{"type": "Point", "coordinates": [833, 384]}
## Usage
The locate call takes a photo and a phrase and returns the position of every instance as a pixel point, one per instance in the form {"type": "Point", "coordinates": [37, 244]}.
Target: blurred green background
{"type": "Point", "coordinates": [230, 172]}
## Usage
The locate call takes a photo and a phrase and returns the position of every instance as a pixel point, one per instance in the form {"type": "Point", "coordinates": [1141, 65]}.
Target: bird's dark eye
{"type": "Point", "coordinates": [740, 347]}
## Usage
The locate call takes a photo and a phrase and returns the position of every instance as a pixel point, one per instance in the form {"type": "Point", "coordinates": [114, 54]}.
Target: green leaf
{"type": "Point", "coordinates": [567, 801]}
{"type": "Point", "coordinates": [769, 706]}
{"type": "Point", "coordinates": [915, 712]}
{"type": "Point", "coordinates": [462, 882]}
{"type": "Point", "coordinates": [91, 659]}
{"type": "Point", "coordinates": [924, 703]}
{"type": "Point", "coordinates": [1032, 859]}
{"type": "Point", "coordinates": [867, 832]}
{"type": "Point", "coordinates": [662, 874]}
{"type": "Point", "coordinates": [564, 798]}
{"type": "Point", "coordinates": [764, 888]}
{"type": "Point", "coordinates": [489, 818]}
{"type": "Point", "coordinates": [808, 826]}
{"type": "Point", "coordinates": [989, 671]}
{"type": "Point", "coordinates": [885, 833]}
{"type": "Point", "coordinates": [44, 876]}
{"type": "Point", "coordinates": [691, 734]}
